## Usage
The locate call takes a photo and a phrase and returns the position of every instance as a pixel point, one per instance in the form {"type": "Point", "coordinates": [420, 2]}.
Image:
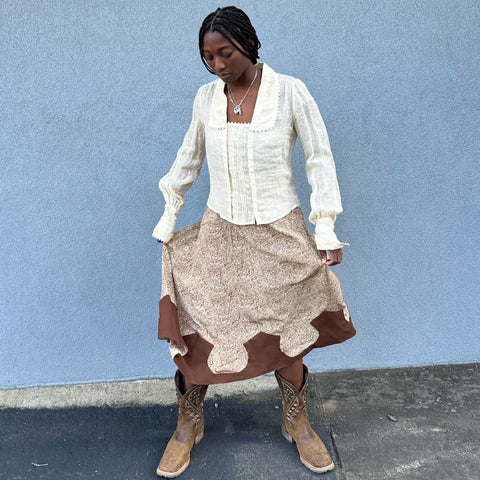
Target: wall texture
{"type": "Point", "coordinates": [96, 97]}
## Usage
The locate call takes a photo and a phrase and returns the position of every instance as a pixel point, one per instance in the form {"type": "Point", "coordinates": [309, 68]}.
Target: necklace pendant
{"type": "Point", "coordinates": [237, 110]}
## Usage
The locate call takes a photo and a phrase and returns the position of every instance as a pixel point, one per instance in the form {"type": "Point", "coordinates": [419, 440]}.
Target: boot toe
{"type": "Point", "coordinates": [174, 461]}
{"type": "Point", "coordinates": [169, 471]}
{"type": "Point", "coordinates": [315, 456]}
{"type": "Point", "coordinates": [170, 468]}
{"type": "Point", "coordinates": [319, 464]}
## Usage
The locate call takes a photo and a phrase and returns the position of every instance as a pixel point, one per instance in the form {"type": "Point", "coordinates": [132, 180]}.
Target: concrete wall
{"type": "Point", "coordinates": [96, 97]}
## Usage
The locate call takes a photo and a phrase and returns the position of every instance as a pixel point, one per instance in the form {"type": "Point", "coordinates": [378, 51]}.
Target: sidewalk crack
{"type": "Point", "coordinates": [338, 460]}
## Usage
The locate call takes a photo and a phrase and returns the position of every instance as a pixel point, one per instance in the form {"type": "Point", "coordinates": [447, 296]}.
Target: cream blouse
{"type": "Point", "coordinates": [251, 179]}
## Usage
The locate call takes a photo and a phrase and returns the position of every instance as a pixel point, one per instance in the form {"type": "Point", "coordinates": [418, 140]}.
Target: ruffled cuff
{"type": "Point", "coordinates": [325, 237]}
{"type": "Point", "coordinates": [163, 231]}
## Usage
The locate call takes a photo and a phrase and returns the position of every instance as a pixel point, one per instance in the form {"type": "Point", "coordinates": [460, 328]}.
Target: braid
{"type": "Point", "coordinates": [234, 25]}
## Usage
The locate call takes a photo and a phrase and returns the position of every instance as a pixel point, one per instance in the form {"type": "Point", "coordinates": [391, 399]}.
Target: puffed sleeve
{"type": "Point", "coordinates": [325, 199]}
{"type": "Point", "coordinates": [184, 171]}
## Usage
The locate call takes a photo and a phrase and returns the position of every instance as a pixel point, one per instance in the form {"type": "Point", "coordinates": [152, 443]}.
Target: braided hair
{"type": "Point", "coordinates": [236, 27]}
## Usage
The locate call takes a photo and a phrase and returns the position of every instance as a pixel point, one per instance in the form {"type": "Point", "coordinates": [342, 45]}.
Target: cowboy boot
{"type": "Point", "coordinates": [296, 426]}
{"type": "Point", "coordinates": [189, 429]}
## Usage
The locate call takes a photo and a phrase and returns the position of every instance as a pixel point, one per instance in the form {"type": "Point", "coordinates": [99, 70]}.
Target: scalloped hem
{"type": "Point", "coordinates": [264, 353]}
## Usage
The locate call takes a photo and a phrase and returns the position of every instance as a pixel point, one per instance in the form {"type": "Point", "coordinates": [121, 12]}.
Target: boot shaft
{"type": "Point", "coordinates": [190, 402]}
{"type": "Point", "coordinates": [294, 401]}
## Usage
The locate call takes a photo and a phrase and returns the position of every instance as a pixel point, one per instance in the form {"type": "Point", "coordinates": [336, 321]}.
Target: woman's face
{"type": "Point", "coordinates": [226, 61]}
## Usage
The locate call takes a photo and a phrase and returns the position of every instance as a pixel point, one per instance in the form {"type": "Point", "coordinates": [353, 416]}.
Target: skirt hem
{"type": "Point", "coordinates": [264, 352]}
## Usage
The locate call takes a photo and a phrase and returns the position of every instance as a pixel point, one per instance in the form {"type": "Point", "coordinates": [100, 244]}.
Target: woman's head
{"type": "Point", "coordinates": [233, 24]}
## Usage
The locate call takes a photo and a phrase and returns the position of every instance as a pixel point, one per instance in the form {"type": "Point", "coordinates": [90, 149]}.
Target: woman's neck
{"type": "Point", "coordinates": [244, 81]}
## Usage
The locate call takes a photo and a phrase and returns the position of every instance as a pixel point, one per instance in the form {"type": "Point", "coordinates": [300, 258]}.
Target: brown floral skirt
{"type": "Point", "coordinates": [239, 301]}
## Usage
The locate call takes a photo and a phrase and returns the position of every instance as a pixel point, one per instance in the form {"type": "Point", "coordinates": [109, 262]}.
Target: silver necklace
{"type": "Point", "coordinates": [237, 106]}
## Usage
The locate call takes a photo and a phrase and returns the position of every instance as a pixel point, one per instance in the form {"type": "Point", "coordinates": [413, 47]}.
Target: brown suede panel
{"type": "Point", "coordinates": [168, 327]}
{"type": "Point", "coordinates": [332, 328]}
{"type": "Point", "coordinates": [264, 354]}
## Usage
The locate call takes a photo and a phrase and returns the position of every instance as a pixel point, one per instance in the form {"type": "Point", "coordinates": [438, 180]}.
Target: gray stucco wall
{"type": "Point", "coordinates": [96, 97]}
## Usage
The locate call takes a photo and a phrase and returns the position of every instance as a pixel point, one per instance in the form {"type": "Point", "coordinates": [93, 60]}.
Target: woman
{"type": "Point", "coordinates": [247, 290]}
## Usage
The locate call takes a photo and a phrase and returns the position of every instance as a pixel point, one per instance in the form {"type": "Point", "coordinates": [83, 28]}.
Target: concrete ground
{"type": "Point", "coordinates": [415, 423]}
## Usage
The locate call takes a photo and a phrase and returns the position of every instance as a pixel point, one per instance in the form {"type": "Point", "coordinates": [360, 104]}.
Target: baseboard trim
{"type": "Point", "coordinates": [143, 393]}
{"type": "Point", "coordinates": [121, 394]}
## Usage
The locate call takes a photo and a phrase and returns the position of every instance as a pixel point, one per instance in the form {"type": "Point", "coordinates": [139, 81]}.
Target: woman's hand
{"type": "Point", "coordinates": [335, 257]}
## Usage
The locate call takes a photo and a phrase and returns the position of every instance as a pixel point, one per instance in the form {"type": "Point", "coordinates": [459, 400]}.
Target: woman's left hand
{"type": "Point", "coordinates": [335, 257]}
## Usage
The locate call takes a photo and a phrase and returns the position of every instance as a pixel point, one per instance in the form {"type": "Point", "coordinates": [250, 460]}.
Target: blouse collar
{"type": "Point", "coordinates": [266, 107]}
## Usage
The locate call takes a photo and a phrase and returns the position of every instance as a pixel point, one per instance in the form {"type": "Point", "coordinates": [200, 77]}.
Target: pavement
{"type": "Point", "coordinates": [412, 423]}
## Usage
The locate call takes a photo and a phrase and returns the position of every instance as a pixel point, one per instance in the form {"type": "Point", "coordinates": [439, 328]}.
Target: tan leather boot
{"type": "Point", "coordinates": [189, 429]}
{"type": "Point", "coordinates": [296, 426]}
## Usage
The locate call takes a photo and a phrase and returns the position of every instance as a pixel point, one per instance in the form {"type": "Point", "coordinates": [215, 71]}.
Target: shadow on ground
{"type": "Point", "coordinates": [405, 424]}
